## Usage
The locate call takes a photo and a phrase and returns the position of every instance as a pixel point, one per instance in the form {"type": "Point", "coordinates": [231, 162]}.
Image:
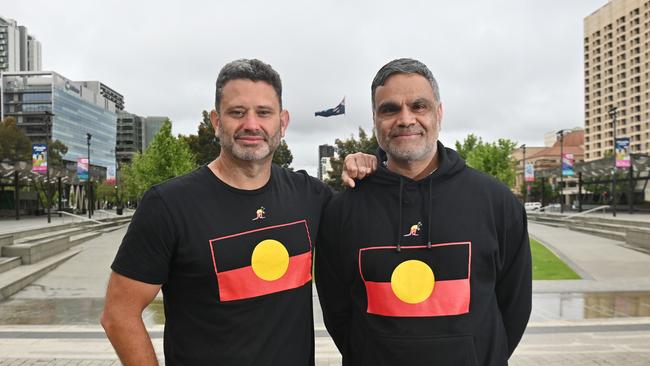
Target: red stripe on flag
{"type": "Point", "coordinates": [448, 298]}
{"type": "Point", "coordinates": [243, 283]}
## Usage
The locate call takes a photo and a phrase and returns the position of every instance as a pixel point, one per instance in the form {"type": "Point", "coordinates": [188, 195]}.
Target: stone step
{"type": "Point", "coordinates": [35, 251]}
{"type": "Point", "coordinates": [80, 238]}
{"type": "Point", "coordinates": [8, 263]}
{"type": "Point", "coordinates": [597, 232]}
{"type": "Point", "coordinates": [599, 226]}
{"type": "Point", "coordinates": [18, 278]}
{"type": "Point", "coordinates": [51, 235]}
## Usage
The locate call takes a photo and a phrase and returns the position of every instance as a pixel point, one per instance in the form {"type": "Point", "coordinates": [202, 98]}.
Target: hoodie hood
{"type": "Point", "coordinates": [450, 163]}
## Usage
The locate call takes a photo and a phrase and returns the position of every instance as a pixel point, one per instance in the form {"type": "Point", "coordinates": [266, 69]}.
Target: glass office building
{"type": "Point", "coordinates": [78, 108]}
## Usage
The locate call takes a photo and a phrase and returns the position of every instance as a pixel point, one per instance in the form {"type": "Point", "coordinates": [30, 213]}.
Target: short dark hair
{"type": "Point", "coordinates": [252, 69]}
{"type": "Point", "coordinates": [403, 66]}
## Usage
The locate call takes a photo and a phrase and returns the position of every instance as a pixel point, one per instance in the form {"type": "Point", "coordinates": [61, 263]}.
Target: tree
{"type": "Point", "coordinates": [106, 192]}
{"type": "Point", "coordinates": [282, 155]}
{"type": "Point", "coordinates": [468, 145]}
{"type": "Point", "coordinates": [364, 144]}
{"type": "Point", "coordinates": [14, 143]}
{"type": "Point", "coordinates": [205, 146]}
{"type": "Point", "coordinates": [494, 158]}
{"type": "Point", "coordinates": [165, 158]}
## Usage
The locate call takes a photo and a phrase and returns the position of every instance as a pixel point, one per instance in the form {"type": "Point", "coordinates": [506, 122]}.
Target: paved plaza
{"type": "Point", "coordinates": [603, 319]}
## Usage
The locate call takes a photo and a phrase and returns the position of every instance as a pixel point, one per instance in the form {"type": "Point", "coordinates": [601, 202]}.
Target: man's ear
{"type": "Point", "coordinates": [439, 113]}
{"type": "Point", "coordinates": [284, 121]}
{"type": "Point", "coordinates": [214, 120]}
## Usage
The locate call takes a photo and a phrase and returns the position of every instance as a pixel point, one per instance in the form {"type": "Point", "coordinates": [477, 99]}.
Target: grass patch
{"type": "Point", "coordinates": [547, 266]}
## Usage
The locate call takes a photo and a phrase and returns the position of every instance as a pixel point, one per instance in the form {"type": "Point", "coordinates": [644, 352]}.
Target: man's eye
{"type": "Point", "coordinates": [236, 114]}
{"type": "Point", "coordinates": [264, 113]}
{"type": "Point", "coordinates": [388, 109]}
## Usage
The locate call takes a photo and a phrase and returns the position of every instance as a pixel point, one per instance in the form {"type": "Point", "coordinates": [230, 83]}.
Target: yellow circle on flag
{"type": "Point", "coordinates": [412, 281]}
{"type": "Point", "coordinates": [270, 260]}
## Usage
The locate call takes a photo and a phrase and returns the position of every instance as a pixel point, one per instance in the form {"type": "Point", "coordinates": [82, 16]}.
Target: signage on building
{"type": "Point", "coordinates": [82, 169]}
{"type": "Point", "coordinates": [529, 172]}
{"type": "Point", "coordinates": [623, 152]}
{"type": "Point", "coordinates": [39, 158]}
{"type": "Point", "coordinates": [71, 87]}
{"type": "Point", "coordinates": [110, 174]}
{"type": "Point", "coordinates": [567, 165]}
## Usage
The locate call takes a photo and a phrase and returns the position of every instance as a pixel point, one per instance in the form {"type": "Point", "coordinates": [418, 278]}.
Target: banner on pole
{"type": "Point", "coordinates": [82, 169]}
{"type": "Point", "coordinates": [110, 174]}
{"type": "Point", "coordinates": [567, 165]}
{"type": "Point", "coordinates": [39, 158]}
{"type": "Point", "coordinates": [529, 172]}
{"type": "Point", "coordinates": [623, 152]}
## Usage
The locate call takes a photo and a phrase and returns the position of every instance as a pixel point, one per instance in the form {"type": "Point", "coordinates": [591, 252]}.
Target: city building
{"type": "Point", "coordinates": [44, 103]}
{"type": "Point", "coordinates": [19, 50]}
{"type": "Point", "coordinates": [129, 136]}
{"type": "Point", "coordinates": [617, 75]}
{"type": "Point", "coordinates": [325, 155]}
{"type": "Point", "coordinates": [150, 127]}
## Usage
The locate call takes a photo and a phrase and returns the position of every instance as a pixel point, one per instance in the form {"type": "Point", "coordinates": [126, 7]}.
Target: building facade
{"type": "Point", "coordinates": [129, 136]}
{"type": "Point", "coordinates": [325, 154]}
{"type": "Point", "coordinates": [150, 127]}
{"type": "Point", "coordinates": [617, 74]}
{"type": "Point", "coordinates": [19, 50]}
{"type": "Point", "coordinates": [77, 110]}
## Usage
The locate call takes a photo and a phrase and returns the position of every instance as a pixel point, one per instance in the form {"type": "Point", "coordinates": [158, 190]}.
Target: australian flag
{"type": "Point", "coordinates": [339, 109]}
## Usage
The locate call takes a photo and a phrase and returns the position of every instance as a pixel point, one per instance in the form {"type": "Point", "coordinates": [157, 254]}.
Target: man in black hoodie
{"type": "Point", "coordinates": [426, 262]}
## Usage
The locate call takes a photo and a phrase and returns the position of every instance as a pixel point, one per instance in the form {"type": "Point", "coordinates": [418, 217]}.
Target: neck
{"type": "Point", "coordinates": [415, 170]}
{"type": "Point", "coordinates": [247, 175]}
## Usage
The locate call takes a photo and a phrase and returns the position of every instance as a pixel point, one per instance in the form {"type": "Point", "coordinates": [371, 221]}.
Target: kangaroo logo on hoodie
{"type": "Point", "coordinates": [414, 229]}
{"type": "Point", "coordinates": [260, 214]}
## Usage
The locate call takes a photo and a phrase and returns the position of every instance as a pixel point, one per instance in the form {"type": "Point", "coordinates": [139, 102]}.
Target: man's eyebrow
{"type": "Point", "coordinates": [389, 104]}
{"type": "Point", "coordinates": [424, 101]}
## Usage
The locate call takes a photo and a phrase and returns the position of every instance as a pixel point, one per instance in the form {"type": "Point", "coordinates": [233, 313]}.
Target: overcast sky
{"type": "Point", "coordinates": [507, 68]}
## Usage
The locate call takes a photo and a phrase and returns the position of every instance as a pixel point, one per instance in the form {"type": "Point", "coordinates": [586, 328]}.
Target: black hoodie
{"type": "Point", "coordinates": [428, 272]}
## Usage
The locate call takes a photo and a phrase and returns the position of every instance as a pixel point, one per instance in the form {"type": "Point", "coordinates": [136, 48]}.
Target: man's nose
{"type": "Point", "coordinates": [405, 117]}
{"type": "Point", "coordinates": [250, 122]}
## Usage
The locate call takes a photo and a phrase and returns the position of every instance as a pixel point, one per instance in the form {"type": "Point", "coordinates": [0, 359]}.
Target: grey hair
{"type": "Point", "coordinates": [403, 66]}
{"type": "Point", "coordinates": [252, 69]}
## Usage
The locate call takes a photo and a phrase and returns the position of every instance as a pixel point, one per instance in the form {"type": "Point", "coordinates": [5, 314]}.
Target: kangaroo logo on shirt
{"type": "Point", "coordinates": [260, 214]}
{"type": "Point", "coordinates": [414, 229]}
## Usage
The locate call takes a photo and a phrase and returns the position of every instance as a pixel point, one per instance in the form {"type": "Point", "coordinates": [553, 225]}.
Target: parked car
{"type": "Point", "coordinates": [532, 206]}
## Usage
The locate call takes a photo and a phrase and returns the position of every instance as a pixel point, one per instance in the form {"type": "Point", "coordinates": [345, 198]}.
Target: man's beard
{"type": "Point", "coordinates": [271, 143]}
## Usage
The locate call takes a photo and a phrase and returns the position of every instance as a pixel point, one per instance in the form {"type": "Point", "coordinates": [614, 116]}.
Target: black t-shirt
{"type": "Point", "coordinates": [235, 266]}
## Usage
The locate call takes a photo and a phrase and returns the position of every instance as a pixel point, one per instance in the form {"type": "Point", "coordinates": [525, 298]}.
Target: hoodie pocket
{"type": "Point", "coordinates": [416, 351]}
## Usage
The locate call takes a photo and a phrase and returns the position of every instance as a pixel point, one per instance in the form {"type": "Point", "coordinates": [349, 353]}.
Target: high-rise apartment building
{"type": "Point", "coordinates": [617, 74]}
{"type": "Point", "coordinates": [150, 127]}
{"type": "Point", "coordinates": [19, 51]}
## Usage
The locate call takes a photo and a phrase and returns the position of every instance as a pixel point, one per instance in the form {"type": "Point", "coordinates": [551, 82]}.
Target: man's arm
{"type": "Point", "coordinates": [122, 319]}
{"type": "Point", "coordinates": [357, 166]}
{"type": "Point", "coordinates": [514, 285]}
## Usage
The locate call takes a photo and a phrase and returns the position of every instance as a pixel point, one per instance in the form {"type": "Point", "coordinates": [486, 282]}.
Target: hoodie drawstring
{"type": "Point", "coordinates": [429, 218]}
{"type": "Point", "coordinates": [399, 223]}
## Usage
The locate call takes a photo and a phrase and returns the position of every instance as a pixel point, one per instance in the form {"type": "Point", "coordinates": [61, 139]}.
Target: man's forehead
{"type": "Point", "coordinates": [404, 86]}
{"type": "Point", "coordinates": [247, 89]}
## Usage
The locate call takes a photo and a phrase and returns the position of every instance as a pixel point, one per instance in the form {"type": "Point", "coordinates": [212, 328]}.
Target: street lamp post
{"type": "Point", "coordinates": [560, 133]}
{"type": "Point", "coordinates": [612, 113]}
{"type": "Point", "coordinates": [48, 191]}
{"type": "Point", "coordinates": [88, 137]}
{"type": "Point", "coordinates": [523, 146]}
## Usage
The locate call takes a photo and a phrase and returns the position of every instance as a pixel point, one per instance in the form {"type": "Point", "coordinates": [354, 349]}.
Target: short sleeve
{"type": "Point", "coordinates": [148, 246]}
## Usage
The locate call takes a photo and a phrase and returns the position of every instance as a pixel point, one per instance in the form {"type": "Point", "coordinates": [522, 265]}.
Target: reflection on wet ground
{"type": "Point", "coordinates": [76, 311]}
{"type": "Point", "coordinates": [591, 305]}
{"type": "Point", "coordinates": [546, 306]}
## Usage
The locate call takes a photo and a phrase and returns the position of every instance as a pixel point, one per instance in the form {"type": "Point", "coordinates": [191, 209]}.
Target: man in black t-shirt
{"type": "Point", "coordinates": [230, 244]}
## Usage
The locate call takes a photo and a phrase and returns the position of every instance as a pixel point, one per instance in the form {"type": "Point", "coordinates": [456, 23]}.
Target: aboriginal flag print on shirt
{"type": "Point", "coordinates": [262, 261]}
{"type": "Point", "coordinates": [418, 281]}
